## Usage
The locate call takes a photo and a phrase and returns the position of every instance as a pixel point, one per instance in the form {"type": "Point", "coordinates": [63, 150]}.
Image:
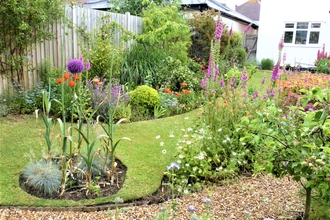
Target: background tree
{"type": "Point", "coordinates": [22, 24]}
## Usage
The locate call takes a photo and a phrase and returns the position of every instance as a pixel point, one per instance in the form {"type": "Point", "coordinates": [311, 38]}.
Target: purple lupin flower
{"type": "Point", "coordinates": [203, 84]}
{"type": "Point", "coordinates": [88, 65]}
{"type": "Point", "coordinates": [75, 66]}
{"type": "Point", "coordinates": [222, 83]}
{"type": "Point", "coordinates": [231, 31]}
{"type": "Point", "coordinates": [244, 76]}
{"type": "Point", "coordinates": [255, 95]}
{"type": "Point", "coordinates": [218, 30]}
{"type": "Point", "coordinates": [275, 74]}
{"type": "Point", "coordinates": [216, 69]}
{"type": "Point", "coordinates": [232, 81]}
{"type": "Point", "coordinates": [247, 28]}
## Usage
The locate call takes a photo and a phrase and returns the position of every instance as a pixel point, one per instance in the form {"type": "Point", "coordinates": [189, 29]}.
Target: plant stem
{"type": "Point", "coordinates": [308, 203]}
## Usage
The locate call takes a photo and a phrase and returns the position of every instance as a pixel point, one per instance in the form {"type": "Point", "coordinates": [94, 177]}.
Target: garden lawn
{"type": "Point", "coordinates": [21, 141]}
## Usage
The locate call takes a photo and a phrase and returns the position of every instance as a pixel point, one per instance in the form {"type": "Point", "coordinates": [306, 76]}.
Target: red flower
{"type": "Point", "coordinates": [75, 77]}
{"type": "Point", "coordinates": [203, 67]}
{"type": "Point", "coordinates": [184, 84]}
{"type": "Point", "coordinates": [71, 83]}
{"type": "Point", "coordinates": [66, 76]}
{"type": "Point", "coordinates": [59, 80]}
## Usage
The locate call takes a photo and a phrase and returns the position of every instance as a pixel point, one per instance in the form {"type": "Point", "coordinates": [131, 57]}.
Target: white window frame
{"type": "Point", "coordinates": [305, 28]}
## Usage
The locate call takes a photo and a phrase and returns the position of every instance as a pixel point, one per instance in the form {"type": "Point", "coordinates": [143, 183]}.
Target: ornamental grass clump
{"type": "Point", "coordinates": [43, 176]}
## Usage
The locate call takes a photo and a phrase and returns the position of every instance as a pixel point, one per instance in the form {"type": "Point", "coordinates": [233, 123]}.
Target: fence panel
{"type": "Point", "coordinates": [52, 49]}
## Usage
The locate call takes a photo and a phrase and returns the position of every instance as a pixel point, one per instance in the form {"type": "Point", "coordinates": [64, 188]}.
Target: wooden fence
{"type": "Point", "coordinates": [52, 49]}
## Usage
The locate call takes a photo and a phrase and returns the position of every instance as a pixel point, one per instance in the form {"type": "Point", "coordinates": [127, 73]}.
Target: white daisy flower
{"type": "Point", "coordinates": [186, 118]}
{"type": "Point", "coordinates": [164, 151]}
{"type": "Point", "coordinates": [161, 144]}
{"type": "Point", "coordinates": [158, 136]}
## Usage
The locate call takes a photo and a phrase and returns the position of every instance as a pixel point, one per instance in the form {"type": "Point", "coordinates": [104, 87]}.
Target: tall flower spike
{"type": "Point", "coordinates": [88, 65]}
{"type": "Point", "coordinates": [218, 30]}
{"type": "Point", "coordinates": [75, 66]}
{"type": "Point", "coordinates": [246, 30]}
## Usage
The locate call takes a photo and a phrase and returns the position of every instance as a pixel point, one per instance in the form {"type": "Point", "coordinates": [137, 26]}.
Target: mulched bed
{"type": "Point", "coordinates": [246, 197]}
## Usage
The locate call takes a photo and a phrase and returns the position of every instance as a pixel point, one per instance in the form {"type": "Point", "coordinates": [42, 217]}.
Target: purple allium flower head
{"type": "Point", "coordinates": [218, 30]}
{"type": "Point", "coordinates": [75, 66]}
{"type": "Point", "coordinates": [203, 84]}
{"type": "Point", "coordinates": [207, 200]}
{"type": "Point", "coordinates": [247, 28]}
{"type": "Point", "coordinates": [173, 166]}
{"type": "Point", "coordinates": [88, 65]}
{"type": "Point", "coordinates": [191, 208]}
{"type": "Point", "coordinates": [222, 83]}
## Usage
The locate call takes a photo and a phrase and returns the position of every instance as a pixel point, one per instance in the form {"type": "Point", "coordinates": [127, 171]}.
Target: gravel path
{"type": "Point", "coordinates": [246, 198]}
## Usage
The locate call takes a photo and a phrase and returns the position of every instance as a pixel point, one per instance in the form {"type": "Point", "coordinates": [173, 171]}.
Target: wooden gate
{"type": "Point", "coordinates": [250, 45]}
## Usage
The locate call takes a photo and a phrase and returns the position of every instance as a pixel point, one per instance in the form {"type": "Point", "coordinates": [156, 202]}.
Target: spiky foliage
{"type": "Point", "coordinates": [43, 176]}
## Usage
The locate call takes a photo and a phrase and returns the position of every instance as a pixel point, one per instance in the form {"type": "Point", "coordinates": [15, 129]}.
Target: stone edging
{"type": "Point", "coordinates": [95, 208]}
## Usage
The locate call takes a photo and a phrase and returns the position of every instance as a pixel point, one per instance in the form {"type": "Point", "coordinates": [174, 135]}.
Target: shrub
{"type": "Point", "coordinates": [174, 73]}
{"type": "Point", "coordinates": [165, 28]}
{"type": "Point", "coordinates": [323, 65]}
{"type": "Point", "coordinates": [144, 98]}
{"type": "Point", "coordinates": [43, 176]}
{"type": "Point", "coordinates": [240, 56]}
{"type": "Point", "coordinates": [101, 100]}
{"type": "Point", "coordinates": [104, 55]}
{"type": "Point", "coordinates": [138, 63]}
{"type": "Point", "coordinates": [267, 64]}
{"type": "Point", "coordinates": [47, 71]}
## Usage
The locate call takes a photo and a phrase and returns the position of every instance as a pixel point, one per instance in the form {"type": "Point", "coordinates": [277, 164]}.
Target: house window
{"type": "Point", "coordinates": [302, 33]}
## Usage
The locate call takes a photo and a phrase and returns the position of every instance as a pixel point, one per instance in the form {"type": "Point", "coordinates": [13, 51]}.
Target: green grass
{"type": "Point", "coordinates": [21, 142]}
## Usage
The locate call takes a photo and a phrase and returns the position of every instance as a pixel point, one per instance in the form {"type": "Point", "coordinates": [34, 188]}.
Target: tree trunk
{"type": "Point", "coordinates": [308, 203]}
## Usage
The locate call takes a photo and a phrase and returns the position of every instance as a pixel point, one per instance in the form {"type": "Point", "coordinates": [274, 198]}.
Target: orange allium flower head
{"type": "Point", "coordinates": [59, 80]}
{"type": "Point", "coordinates": [71, 83]}
{"type": "Point", "coordinates": [66, 76]}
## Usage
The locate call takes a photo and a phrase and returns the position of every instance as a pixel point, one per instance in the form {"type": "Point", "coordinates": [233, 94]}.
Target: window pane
{"type": "Point", "coordinates": [288, 36]}
{"type": "Point", "coordinates": [314, 37]}
{"type": "Point", "coordinates": [301, 37]}
{"type": "Point", "coordinates": [316, 25]}
{"type": "Point", "coordinates": [302, 25]}
{"type": "Point", "coordinates": [289, 25]}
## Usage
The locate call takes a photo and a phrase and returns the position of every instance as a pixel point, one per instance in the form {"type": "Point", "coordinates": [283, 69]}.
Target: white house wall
{"type": "Point", "coordinates": [273, 16]}
{"type": "Point", "coordinates": [237, 26]}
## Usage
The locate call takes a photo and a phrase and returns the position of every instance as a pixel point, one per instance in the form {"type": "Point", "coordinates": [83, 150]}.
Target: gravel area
{"type": "Point", "coordinates": [245, 198]}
